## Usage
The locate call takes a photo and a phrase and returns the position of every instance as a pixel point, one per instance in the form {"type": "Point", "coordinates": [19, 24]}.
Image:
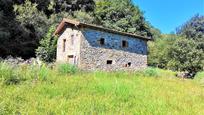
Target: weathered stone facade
{"type": "Point", "coordinates": [95, 49]}
{"type": "Point", "coordinates": [69, 45]}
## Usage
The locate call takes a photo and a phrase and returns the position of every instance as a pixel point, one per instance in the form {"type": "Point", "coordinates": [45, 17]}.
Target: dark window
{"type": "Point", "coordinates": [102, 41]}
{"type": "Point", "coordinates": [109, 62]}
{"type": "Point", "coordinates": [71, 59]}
{"type": "Point", "coordinates": [64, 45]}
{"type": "Point", "coordinates": [124, 44]}
{"type": "Point", "coordinates": [72, 39]}
{"type": "Point", "coordinates": [70, 56]}
{"type": "Point", "coordinates": [129, 64]}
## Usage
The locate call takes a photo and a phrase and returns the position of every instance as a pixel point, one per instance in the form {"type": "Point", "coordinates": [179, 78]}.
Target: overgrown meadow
{"type": "Point", "coordinates": [63, 89]}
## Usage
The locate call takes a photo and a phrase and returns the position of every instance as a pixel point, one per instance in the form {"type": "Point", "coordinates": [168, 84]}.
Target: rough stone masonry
{"type": "Point", "coordinates": [92, 47]}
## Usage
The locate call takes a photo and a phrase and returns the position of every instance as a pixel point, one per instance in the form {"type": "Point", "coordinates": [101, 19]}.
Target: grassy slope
{"type": "Point", "coordinates": [103, 93]}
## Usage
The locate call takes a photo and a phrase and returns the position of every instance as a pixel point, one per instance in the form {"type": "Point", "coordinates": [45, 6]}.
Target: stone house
{"type": "Point", "coordinates": [92, 47]}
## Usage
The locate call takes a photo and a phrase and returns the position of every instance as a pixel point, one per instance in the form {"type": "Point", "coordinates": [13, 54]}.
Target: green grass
{"type": "Point", "coordinates": [200, 77]}
{"type": "Point", "coordinates": [50, 91]}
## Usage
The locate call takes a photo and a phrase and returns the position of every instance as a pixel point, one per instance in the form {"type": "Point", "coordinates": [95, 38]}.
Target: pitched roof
{"type": "Point", "coordinates": [80, 24]}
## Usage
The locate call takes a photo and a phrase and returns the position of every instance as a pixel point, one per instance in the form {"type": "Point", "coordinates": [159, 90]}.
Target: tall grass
{"type": "Point", "coordinates": [15, 74]}
{"type": "Point", "coordinates": [151, 72]}
{"type": "Point", "coordinates": [5, 70]}
{"type": "Point", "coordinates": [65, 69]}
{"type": "Point", "coordinates": [200, 77]}
{"type": "Point", "coordinates": [9, 74]}
{"type": "Point", "coordinates": [53, 92]}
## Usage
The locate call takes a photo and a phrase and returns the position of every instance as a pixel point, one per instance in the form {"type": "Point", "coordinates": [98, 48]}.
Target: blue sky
{"type": "Point", "coordinates": [167, 15]}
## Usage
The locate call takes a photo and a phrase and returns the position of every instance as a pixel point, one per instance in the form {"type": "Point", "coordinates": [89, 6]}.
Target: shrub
{"type": "Point", "coordinates": [48, 46]}
{"type": "Point", "coordinates": [199, 77]}
{"type": "Point", "coordinates": [151, 72]}
{"type": "Point", "coordinates": [9, 75]}
{"type": "Point", "coordinates": [66, 69]}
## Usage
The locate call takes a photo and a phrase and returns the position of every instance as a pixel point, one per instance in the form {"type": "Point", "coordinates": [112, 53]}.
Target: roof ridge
{"type": "Point", "coordinates": [78, 23]}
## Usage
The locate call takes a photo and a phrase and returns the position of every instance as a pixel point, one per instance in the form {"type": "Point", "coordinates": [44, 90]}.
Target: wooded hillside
{"type": "Point", "coordinates": [23, 23]}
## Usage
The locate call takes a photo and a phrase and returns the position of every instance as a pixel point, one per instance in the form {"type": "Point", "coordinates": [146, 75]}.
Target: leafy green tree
{"type": "Point", "coordinates": [15, 39]}
{"type": "Point", "coordinates": [181, 52]}
{"type": "Point", "coordinates": [184, 56]}
{"type": "Point", "coordinates": [194, 29]}
{"type": "Point", "coordinates": [21, 31]}
{"type": "Point", "coordinates": [31, 18]}
{"type": "Point", "coordinates": [48, 45]}
{"type": "Point", "coordinates": [121, 15]}
{"type": "Point", "coordinates": [73, 5]}
{"type": "Point", "coordinates": [159, 50]}
{"type": "Point", "coordinates": [83, 17]}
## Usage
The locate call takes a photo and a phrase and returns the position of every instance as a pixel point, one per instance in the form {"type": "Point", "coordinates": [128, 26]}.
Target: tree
{"type": "Point", "coordinates": [83, 17]}
{"type": "Point", "coordinates": [23, 23]}
{"type": "Point", "coordinates": [183, 51]}
{"type": "Point", "coordinates": [48, 45]}
{"type": "Point", "coordinates": [21, 31]}
{"type": "Point", "coordinates": [121, 15]}
{"type": "Point", "coordinates": [159, 50]}
{"type": "Point", "coordinates": [73, 5]}
{"type": "Point", "coordinates": [15, 39]}
{"type": "Point", "coordinates": [184, 56]}
{"type": "Point", "coordinates": [194, 29]}
{"type": "Point", "coordinates": [31, 18]}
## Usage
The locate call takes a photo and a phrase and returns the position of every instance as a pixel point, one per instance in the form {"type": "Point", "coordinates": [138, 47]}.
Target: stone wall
{"type": "Point", "coordinates": [94, 56]}
{"type": "Point", "coordinates": [72, 38]}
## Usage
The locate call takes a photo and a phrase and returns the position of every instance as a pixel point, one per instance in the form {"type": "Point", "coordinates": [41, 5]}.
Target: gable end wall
{"type": "Point", "coordinates": [70, 48]}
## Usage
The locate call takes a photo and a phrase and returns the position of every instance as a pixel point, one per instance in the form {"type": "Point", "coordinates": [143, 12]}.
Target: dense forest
{"type": "Point", "coordinates": [26, 28]}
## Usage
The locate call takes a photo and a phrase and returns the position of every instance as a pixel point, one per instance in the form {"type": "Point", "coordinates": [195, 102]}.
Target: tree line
{"type": "Point", "coordinates": [183, 51]}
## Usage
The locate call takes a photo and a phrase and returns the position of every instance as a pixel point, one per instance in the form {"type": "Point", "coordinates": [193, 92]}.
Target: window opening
{"type": "Point", "coordinates": [124, 44]}
{"type": "Point", "coordinates": [109, 62]}
{"type": "Point", "coordinates": [129, 64]}
{"type": "Point", "coordinates": [72, 39]}
{"type": "Point", "coordinates": [64, 45]}
{"type": "Point", "coordinates": [102, 41]}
